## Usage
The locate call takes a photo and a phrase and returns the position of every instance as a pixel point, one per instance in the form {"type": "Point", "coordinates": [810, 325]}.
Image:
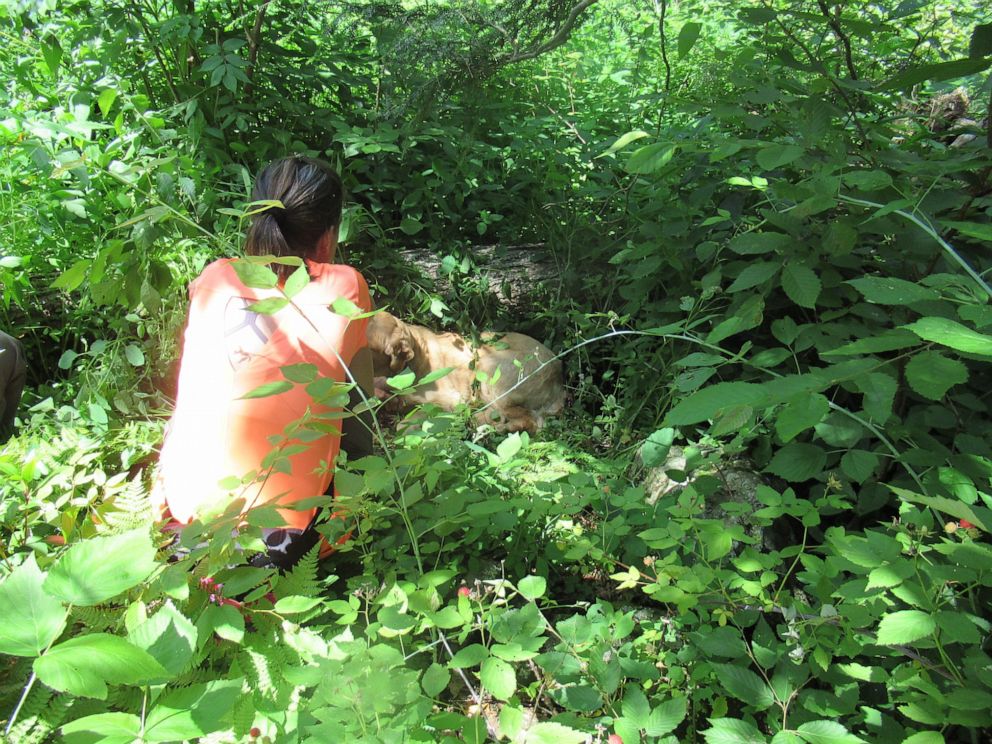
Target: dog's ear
{"type": "Point", "coordinates": [399, 350]}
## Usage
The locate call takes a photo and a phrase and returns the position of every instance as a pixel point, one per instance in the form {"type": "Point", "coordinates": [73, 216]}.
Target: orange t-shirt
{"type": "Point", "coordinates": [229, 351]}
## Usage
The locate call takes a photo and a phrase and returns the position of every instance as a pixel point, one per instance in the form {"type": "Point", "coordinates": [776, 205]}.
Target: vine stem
{"type": "Point", "coordinates": [20, 703]}
{"type": "Point", "coordinates": [932, 232]}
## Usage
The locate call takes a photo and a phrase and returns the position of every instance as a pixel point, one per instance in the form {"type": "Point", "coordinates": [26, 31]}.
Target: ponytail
{"type": "Point", "coordinates": [310, 192]}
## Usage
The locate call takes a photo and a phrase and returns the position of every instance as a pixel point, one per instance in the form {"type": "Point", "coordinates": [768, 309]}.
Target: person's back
{"type": "Point", "coordinates": [13, 370]}
{"type": "Point", "coordinates": [223, 443]}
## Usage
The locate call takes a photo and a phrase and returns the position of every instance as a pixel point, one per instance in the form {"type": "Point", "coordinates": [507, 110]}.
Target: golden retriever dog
{"type": "Point", "coordinates": [522, 380]}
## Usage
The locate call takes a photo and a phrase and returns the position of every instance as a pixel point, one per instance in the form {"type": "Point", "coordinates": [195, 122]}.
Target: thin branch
{"type": "Point", "coordinates": [560, 37]}
{"type": "Point", "coordinates": [253, 45]}
{"type": "Point", "coordinates": [834, 22]}
{"type": "Point", "coordinates": [661, 8]}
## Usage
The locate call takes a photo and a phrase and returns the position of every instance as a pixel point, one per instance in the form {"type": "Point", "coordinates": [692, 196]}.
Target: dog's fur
{"type": "Point", "coordinates": [396, 345]}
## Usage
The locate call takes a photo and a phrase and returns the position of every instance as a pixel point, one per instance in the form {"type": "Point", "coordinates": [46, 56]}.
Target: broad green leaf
{"type": "Point", "coordinates": [888, 290]}
{"type": "Point", "coordinates": [744, 685]}
{"type": "Point", "coordinates": [509, 447]}
{"type": "Point", "coordinates": [581, 698]}
{"type": "Point", "coordinates": [32, 619]}
{"type": "Point", "coordinates": [112, 728]}
{"type": "Point", "coordinates": [636, 708]}
{"type": "Point", "coordinates": [952, 335]}
{"type": "Point", "coordinates": [775, 156]}
{"type": "Point", "coordinates": [879, 390]}
{"type": "Point", "coordinates": [798, 461]}
{"type": "Point", "coordinates": [84, 665]}
{"type": "Point", "coordinates": [623, 141]}
{"type": "Point", "coordinates": [254, 275]}
{"type": "Point", "coordinates": [268, 306]}
{"type": "Point", "coordinates": [801, 414]}
{"type": "Point", "coordinates": [70, 279]}
{"type": "Point", "coordinates": [905, 626]}
{"type": "Point", "coordinates": [51, 51]}
{"type": "Point", "coordinates": [650, 158]}
{"type": "Point", "coordinates": [957, 627]}
{"type": "Point", "coordinates": [469, 656]}
{"type": "Point", "coordinates": [435, 680]}
{"type": "Point", "coordinates": [655, 449]}
{"type": "Point", "coordinates": [688, 35]}
{"type": "Point", "coordinates": [977, 230]}
{"type": "Point", "coordinates": [755, 274]}
{"type": "Point", "coordinates": [296, 604]}
{"type": "Point", "coordinates": [981, 41]}
{"type": "Point", "coordinates": [169, 636]}
{"type": "Point", "coordinates": [889, 575]}
{"type": "Point", "coordinates": [193, 712]}
{"type": "Point", "coordinates": [94, 570]}
{"type": "Point", "coordinates": [498, 678]}
{"type": "Point", "coordinates": [302, 373]}
{"type": "Point", "coordinates": [868, 180]}
{"type": "Point", "coordinates": [347, 308]}
{"type": "Point", "coordinates": [554, 733]}
{"type": "Point", "coordinates": [888, 341]}
{"type": "Point", "coordinates": [858, 465]}
{"type": "Point", "coordinates": [224, 620]}
{"type": "Point", "coordinates": [953, 507]}
{"type": "Point", "coordinates": [826, 732]}
{"type": "Point", "coordinates": [106, 101]}
{"type": "Point", "coordinates": [296, 282]}
{"type": "Point", "coordinates": [435, 375]}
{"type": "Point", "coordinates": [269, 388]}
{"type": "Point", "coordinates": [410, 226]}
{"type": "Point", "coordinates": [931, 374]}
{"type": "Point", "coordinates": [666, 717]}
{"type": "Point", "coordinates": [801, 284]}
{"type": "Point", "coordinates": [532, 587]}
{"type": "Point", "coordinates": [925, 737]}
{"type": "Point", "coordinates": [401, 381]}
{"type": "Point", "coordinates": [713, 401]}
{"type": "Point", "coordinates": [134, 355]}
{"type": "Point", "coordinates": [732, 731]}
{"type": "Point", "coordinates": [940, 71]}
{"type": "Point", "coordinates": [753, 243]}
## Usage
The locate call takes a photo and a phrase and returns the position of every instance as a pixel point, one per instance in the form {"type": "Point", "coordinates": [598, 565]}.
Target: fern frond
{"type": "Point", "coordinates": [30, 714]}
{"type": "Point", "coordinates": [130, 508]}
{"type": "Point", "coordinates": [302, 580]}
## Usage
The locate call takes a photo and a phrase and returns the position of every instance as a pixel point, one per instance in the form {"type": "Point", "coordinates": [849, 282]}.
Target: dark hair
{"type": "Point", "coordinates": [310, 191]}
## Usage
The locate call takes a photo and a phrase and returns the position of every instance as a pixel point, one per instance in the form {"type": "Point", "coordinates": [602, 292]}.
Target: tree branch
{"type": "Point", "coordinates": [560, 37]}
{"type": "Point", "coordinates": [834, 22]}
{"type": "Point", "coordinates": [254, 42]}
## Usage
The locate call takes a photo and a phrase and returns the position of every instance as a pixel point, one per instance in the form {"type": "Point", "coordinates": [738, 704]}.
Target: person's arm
{"type": "Point", "coordinates": [356, 431]}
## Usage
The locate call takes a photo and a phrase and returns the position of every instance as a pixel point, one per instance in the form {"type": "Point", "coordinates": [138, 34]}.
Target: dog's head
{"type": "Point", "coordinates": [390, 343]}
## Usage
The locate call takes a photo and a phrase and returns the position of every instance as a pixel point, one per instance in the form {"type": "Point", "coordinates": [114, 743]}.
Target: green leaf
{"type": "Point", "coordinates": [940, 71]}
{"type": "Point", "coordinates": [879, 390]}
{"type": "Point", "coordinates": [254, 275]}
{"type": "Point", "coordinates": [925, 737]}
{"type": "Point", "coordinates": [224, 620]}
{"type": "Point", "coordinates": [411, 226]}
{"type": "Point", "coordinates": [744, 685]}
{"type": "Point", "coordinates": [801, 284]}
{"type": "Point", "coordinates": [798, 461]}
{"type": "Point", "coordinates": [868, 180]}
{"type": "Point", "coordinates": [952, 335]}
{"type": "Point", "coordinates": [753, 243]}
{"type": "Point", "coordinates": [554, 733]}
{"type": "Point", "coordinates": [732, 731]}
{"type": "Point", "coordinates": [978, 230]}
{"type": "Point", "coordinates": [169, 636]}
{"type": "Point", "coordinates": [532, 587]}
{"type": "Point", "coordinates": [888, 341]}
{"type": "Point", "coordinates": [666, 717]}
{"type": "Point", "coordinates": [94, 570]}
{"type": "Point", "coordinates": [775, 156]}
{"type": "Point", "coordinates": [509, 447]}
{"type": "Point", "coordinates": [435, 680]}
{"type": "Point", "coordinates": [650, 158]}
{"type": "Point", "coordinates": [435, 375]}
{"type": "Point", "coordinates": [623, 141]}
{"type": "Point", "coordinates": [84, 665]}
{"type": "Point", "coordinates": [688, 35]}
{"type": "Point", "coordinates": [193, 712]}
{"type": "Point", "coordinates": [269, 388]}
{"type": "Point", "coordinates": [268, 306]}
{"type": "Point", "coordinates": [296, 604]}
{"type": "Point", "coordinates": [297, 282]}
{"type": "Point", "coordinates": [858, 465]}
{"type": "Point", "coordinates": [905, 626]}
{"type": "Point", "coordinates": [401, 381]}
{"type": "Point", "coordinates": [347, 308]}
{"type": "Point", "coordinates": [51, 51]}
{"type": "Point", "coordinates": [32, 619]}
{"type": "Point", "coordinates": [303, 373]}
{"type": "Point", "coordinates": [70, 279]}
{"type": "Point", "coordinates": [106, 101]}
{"type": "Point", "coordinates": [801, 414]}
{"type": "Point", "coordinates": [755, 274]}
{"type": "Point", "coordinates": [122, 728]}
{"type": "Point", "coordinates": [134, 355]}
{"type": "Point", "coordinates": [931, 374]}
{"type": "Point", "coordinates": [887, 290]}
{"type": "Point", "coordinates": [498, 677]}
{"type": "Point", "coordinates": [957, 509]}
{"type": "Point", "coordinates": [655, 449]}
{"type": "Point", "coordinates": [826, 732]}
{"type": "Point", "coordinates": [713, 401]}
{"type": "Point", "coordinates": [469, 656]}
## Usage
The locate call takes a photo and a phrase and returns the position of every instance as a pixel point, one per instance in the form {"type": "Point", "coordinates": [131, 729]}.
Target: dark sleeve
{"type": "Point", "coordinates": [356, 431]}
